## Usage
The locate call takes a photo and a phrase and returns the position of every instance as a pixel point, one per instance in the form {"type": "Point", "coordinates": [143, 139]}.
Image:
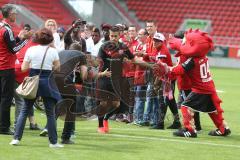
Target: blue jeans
{"type": "Point", "coordinates": [49, 104]}
{"type": "Point", "coordinates": [19, 103]}
{"type": "Point", "coordinates": [151, 113]}
{"type": "Point", "coordinates": [140, 102]}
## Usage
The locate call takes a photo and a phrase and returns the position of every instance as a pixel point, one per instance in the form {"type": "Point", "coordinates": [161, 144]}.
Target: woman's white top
{"type": "Point", "coordinates": [34, 55]}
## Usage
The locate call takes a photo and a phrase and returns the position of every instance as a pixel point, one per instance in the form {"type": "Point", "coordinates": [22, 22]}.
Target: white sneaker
{"type": "Point", "coordinates": [44, 132]}
{"type": "Point", "coordinates": [14, 142]}
{"type": "Point", "coordinates": [57, 145]}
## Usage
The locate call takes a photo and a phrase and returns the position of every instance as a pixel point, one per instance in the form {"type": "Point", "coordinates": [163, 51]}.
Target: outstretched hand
{"type": "Point", "coordinates": [160, 69]}
{"type": "Point", "coordinates": [106, 73]}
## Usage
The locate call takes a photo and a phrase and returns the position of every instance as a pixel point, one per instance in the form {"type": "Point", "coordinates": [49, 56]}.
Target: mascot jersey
{"type": "Point", "coordinates": [196, 47]}
{"type": "Point", "coordinates": [198, 72]}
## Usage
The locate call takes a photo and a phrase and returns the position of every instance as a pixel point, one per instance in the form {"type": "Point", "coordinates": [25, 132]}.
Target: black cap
{"type": "Point", "coordinates": [179, 34]}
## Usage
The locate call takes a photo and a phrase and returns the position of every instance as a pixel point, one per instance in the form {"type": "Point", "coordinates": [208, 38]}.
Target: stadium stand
{"type": "Point", "coordinates": [169, 14]}
{"type": "Point", "coordinates": [46, 9]}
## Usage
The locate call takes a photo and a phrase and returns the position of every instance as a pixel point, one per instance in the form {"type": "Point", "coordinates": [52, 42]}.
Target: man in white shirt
{"type": "Point", "coordinates": [96, 42]}
{"type": "Point", "coordinates": [88, 36]}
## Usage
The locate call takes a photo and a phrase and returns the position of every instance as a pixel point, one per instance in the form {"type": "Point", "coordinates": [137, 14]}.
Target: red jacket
{"type": "Point", "coordinates": [163, 55]}
{"type": "Point", "coordinates": [9, 45]}
{"type": "Point", "coordinates": [150, 47]}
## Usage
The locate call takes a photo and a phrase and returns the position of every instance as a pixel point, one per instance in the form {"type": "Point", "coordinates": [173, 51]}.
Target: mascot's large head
{"type": "Point", "coordinates": [197, 44]}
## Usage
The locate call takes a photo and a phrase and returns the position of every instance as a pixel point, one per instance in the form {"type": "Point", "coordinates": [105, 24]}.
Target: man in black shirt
{"type": "Point", "coordinates": [68, 88]}
{"type": "Point", "coordinates": [73, 35]}
{"type": "Point", "coordinates": [112, 54]}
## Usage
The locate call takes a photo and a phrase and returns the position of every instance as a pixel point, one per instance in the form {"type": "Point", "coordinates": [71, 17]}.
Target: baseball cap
{"type": "Point", "coordinates": [179, 34]}
{"type": "Point", "coordinates": [120, 26]}
{"type": "Point", "coordinates": [79, 21]}
{"type": "Point", "coordinates": [61, 29]}
{"type": "Point", "coordinates": [106, 25]}
{"type": "Point", "coordinates": [159, 36]}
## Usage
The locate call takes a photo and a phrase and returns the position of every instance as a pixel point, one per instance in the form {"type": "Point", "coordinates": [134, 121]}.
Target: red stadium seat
{"type": "Point", "coordinates": [170, 14]}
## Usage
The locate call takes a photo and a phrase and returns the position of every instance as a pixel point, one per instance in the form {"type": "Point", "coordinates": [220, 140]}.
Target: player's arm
{"type": "Point", "coordinates": [96, 75]}
{"type": "Point", "coordinates": [136, 60]}
{"type": "Point", "coordinates": [84, 72]}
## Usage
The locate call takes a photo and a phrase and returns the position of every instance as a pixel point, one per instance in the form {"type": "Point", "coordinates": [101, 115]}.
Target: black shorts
{"type": "Point", "coordinates": [108, 90]}
{"type": "Point", "coordinates": [199, 102]}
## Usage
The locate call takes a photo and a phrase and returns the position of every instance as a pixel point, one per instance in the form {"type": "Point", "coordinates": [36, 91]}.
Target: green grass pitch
{"type": "Point", "coordinates": [128, 142]}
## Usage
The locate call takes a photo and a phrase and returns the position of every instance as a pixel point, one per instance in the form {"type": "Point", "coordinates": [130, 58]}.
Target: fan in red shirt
{"type": "Point", "coordinates": [139, 50]}
{"type": "Point", "coordinates": [19, 75]}
{"type": "Point", "coordinates": [128, 71]}
{"type": "Point", "coordinates": [162, 54]}
{"type": "Point", "coordinates": [128, 68]}
{"type": "Point", "coordinates": [203, 97]}
{"type": "Point", "coordinates": [151, 29]}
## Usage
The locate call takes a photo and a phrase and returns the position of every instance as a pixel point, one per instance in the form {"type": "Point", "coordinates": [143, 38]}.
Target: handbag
{"type": "Point", "coordinates": [29, 87]}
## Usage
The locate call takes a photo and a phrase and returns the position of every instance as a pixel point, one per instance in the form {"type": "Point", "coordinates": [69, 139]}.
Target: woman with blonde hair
{"type": "Point", "coordinates": [51, 24]}
{"type": "Point", "coordinates": [42, 59]}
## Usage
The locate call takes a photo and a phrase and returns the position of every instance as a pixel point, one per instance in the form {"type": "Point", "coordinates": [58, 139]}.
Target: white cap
{"type": "Point", "coordinates": [159, 36]}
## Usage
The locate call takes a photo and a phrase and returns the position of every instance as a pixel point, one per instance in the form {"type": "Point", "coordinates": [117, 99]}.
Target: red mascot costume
{"type": "Point", "coordinates": [203, 97]}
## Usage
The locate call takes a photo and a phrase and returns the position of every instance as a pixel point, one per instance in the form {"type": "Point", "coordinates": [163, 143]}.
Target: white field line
{"type": "Point", "coordinates": [184, 140]}
{"type": "Point", "coordinates": [219, 91]}
{"type": "Point", "coordinates": [162, 138]}
{"type": "Point", "coordinates": [143, 129]}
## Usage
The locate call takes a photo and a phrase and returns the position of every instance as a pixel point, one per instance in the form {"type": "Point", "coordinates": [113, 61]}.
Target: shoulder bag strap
{"type": "Point", "coordinates": [43, 60]}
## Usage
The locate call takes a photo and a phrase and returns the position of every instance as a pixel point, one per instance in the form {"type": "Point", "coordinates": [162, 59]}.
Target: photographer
{"type": "Point", "coordinates": [73, 34]}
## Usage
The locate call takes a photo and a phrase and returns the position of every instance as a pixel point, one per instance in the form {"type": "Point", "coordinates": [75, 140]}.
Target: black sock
{"type": "Point", "coordinates": [100, 121]}
{"type": "Point", "coordinates": [108, 115]}
{"type": "Point", "coordinates": [173, 106]}
{"type": "Point", "coordinates": [197, 120]}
